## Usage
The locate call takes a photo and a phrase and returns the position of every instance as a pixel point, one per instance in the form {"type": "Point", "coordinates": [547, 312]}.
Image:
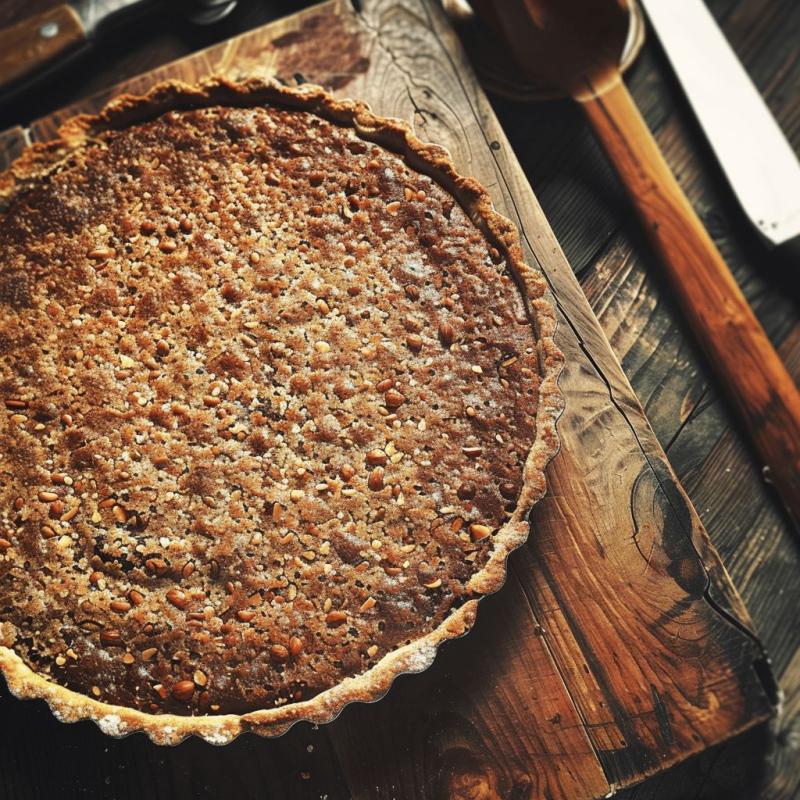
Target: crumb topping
{"type": "Point", "coordinates": [267, 393]}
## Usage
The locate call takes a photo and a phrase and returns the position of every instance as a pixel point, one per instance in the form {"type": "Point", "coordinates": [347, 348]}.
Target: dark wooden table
{"type": "Point", "coordinates": [596, 229]}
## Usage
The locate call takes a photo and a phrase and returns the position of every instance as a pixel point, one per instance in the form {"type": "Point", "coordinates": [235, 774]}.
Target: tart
{"type": "Point", "coordinates": [276, 395]}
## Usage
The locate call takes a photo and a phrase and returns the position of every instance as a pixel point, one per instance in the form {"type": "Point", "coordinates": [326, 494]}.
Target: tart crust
{"type": "Point", "coordinates": [429, 159]}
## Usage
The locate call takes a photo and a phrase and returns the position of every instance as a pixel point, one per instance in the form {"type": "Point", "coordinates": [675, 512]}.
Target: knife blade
{"type": "Point", "coordinates": [753, 152]}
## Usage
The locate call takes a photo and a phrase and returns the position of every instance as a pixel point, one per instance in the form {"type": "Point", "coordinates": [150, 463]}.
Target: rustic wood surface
{"type": "Point", "coordinates": [754, 377]}
{"type": "Point", "coordinates": [508, 711]}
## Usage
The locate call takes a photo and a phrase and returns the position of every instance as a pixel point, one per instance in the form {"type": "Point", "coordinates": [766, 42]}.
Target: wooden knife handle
{"type": "Point", "coordinates": [746, 363]}
{"type": "Point", "coordinates": [36, 41]}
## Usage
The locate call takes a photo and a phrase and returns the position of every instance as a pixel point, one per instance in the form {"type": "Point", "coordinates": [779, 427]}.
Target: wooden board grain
{"type": "Point", "coordinates": [618, 645]}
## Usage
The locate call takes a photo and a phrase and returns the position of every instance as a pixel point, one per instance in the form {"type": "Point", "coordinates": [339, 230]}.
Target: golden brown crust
{"type": "Point", "coordinates": [427, 159]}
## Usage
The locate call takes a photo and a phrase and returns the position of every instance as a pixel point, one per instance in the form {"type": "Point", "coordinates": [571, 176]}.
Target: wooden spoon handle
{"type": "Point", "coordinates": [746, 363]}
{"type": "Point", "coordinates": [36, 41]}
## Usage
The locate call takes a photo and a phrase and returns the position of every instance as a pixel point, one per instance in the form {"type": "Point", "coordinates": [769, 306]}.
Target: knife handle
{"type": "Point", "coordinates": [745, 361]}
{"type": "Point", "coordinates": [32, 44]}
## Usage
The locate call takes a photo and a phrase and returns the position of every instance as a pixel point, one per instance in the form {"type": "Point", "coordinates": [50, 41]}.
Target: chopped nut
{"type": "Point", "coordinates": [335, 618]}
{"type": "Point", "coordinates": [183, 691]}
{"type": "Point", "coordinates": [479, 531]}
{"type": "Point", "coordinates": [101, 253]}
{"type": "Point", "coordinates": [346, 472]}
{"type": "Point", "coordinates": [178, 598]}
{"type": "Point", "coordinates": [245, 614]}
{"type": "Point", "coordinates": [447, 333]}
{"type": "Point", "coordinates": [70, 514]}
{"type": "Point", "coordinates": [135, 597]}
{"type": "Point", "coordinates": [466, 491]}
{"type": "Point", "coordinates": [149, 654]}
{"type": "Point", "coordinates": [295, 646]}
{"type": "Point", "coordinates": [279, 653]}
{"type": "Point", "coordinates": [508, 490]}
{"type": "Point", "coordinates": [393, 398]}
{"type": "Point", "coordinates": [472, 452]}
{"type": "Point", "coordinates": [414, 342]}
{"type": "Point", "coordinates": [367, 604]}
{"type": "Point", "coordinates": [376, 458]}
{"type": "Point", "coordinates": [375, 481]}
{"type": "Point", "coordinates": [111, 637]}
{"type": "Point", "coordinates": [434, 584]}
{"type": "Point", "coordinates": [128, 659]}
{"type": "Point", "coordinates": [47, 497]}
{"type": "Point", "coordinates": [120, 606]}
{"type": "Point", "coordinates": [200, 678]}
{"type": "Point", "coordinates": [372, 650]}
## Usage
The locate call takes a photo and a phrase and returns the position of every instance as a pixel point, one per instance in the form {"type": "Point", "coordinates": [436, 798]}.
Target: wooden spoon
{"type": "Point", "coordinates": [575, 45]}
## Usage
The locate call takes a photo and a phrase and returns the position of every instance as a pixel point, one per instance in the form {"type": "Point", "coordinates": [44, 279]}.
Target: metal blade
{"type": "Point", "coordinates": [207, 12]}
{"type": "Point", "coordinates": [758, 161]}
{"type": "Point", "coordinates": [93, 13]}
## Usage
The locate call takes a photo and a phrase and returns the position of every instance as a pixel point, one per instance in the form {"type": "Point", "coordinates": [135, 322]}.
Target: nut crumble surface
{"type": "Point", "coordinates": [267, 393]}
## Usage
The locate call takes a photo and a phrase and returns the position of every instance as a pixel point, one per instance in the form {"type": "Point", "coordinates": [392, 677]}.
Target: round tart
{"type": "Point", "coordinates": [276, 395]}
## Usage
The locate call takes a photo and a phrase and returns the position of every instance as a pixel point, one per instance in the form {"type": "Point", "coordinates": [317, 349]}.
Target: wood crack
{"type": "Point", "coordinates": [689, 418]}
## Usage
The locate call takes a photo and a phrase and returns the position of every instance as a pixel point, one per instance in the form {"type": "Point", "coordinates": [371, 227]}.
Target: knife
{"type": "Point", "coordinates": [36, 47]}
{"type": "Point", "coordinates": [755, 156]}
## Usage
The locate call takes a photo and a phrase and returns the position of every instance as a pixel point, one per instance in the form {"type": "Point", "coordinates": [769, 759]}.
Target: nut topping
{"type": "Point", "coordinates": [447, 333]}
{"type": "Point", "coordinates": [414, 342]}
{"type": "Point", "coordinates": [183, 691]}
{"type": "Point", "coordinates": [376, 458]}
{"type": "Point", "coordinates": [110, 637]}
{"type": "Point", "coordinates": [275, 391]}
{"type": "Point", "coordinates": [394, 398]}
{"type": "Point", "coordinates": [335, 618]}
{"type": "Point", "coordinates": [479, 531]}
{"type": "Point", "coordinates": [279, 653]}
{"type": "Point", "coordinates": [375, 481]}
{"type": "Point", "coordinates": [177, 598]}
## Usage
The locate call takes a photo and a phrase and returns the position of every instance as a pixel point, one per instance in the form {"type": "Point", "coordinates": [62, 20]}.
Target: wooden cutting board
{"type": "Point", "coordinates": [618, 645]}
